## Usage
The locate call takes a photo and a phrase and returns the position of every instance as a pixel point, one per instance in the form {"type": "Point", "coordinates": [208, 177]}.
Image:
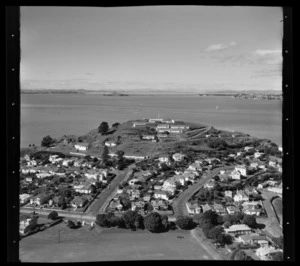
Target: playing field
{"type": "Point", "coordinates": [109, 245]}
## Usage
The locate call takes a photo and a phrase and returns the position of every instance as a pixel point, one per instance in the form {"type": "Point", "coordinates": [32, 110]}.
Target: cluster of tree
{"type": "Point", "coordinates": [210, 223]}
{"type": "Point", "coordinates": [47, 141]}
{"type": "Point", "coordinates": [103, 128]}
{"type": "Point", "coordinates": [239, 254]}
{"type": "Point", "coordinates": [152, 222]}
{"type": "Point", "coordinates": [219, 144]}
{"type": "Point", "coordinates": [185, 222]}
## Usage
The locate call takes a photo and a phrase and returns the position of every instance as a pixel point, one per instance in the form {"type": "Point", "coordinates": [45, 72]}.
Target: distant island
{"type": "Point", "coordinates": [250, 96]}
{"type": "Point", "coordinates": [115, 94]}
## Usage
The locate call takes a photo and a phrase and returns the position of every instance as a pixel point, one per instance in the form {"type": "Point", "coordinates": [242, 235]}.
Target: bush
{"type": "Point", "coordinates": [184, 222]}
{"type": "Point", "coordinates": [153, 222]}
{"type": "Point", "coordinates": [47, 141]}
{"type": "Point", "coordinates": [53, 215]}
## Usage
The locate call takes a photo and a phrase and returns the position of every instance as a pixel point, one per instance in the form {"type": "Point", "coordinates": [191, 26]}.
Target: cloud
{"type": "Point", "coordinates": [219, 47]}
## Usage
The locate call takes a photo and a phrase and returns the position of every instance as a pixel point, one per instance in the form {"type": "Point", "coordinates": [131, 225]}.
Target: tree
{"type": "Point", "coordinates": [125, 203]}
{"type": "Point", "coordinates": [165, 223]}
{"type": "Point", "coordinates": [104, 155]}
{"type": "Point", "coordinates": [184, 222]}
{"type": "Point", "coordinates": [130, 217]}
{"type": "Point", "coordinates": [53, 215]}
{"type": "Point", "coordinates": [152, 222]}
{"type": "Point", "coordinates": [102, 220]}
{"type": "Point", "coordinates": [71, 224]}
{"type": "Point", "coordinates": [115, 125]}
{"type": "Point", "coordinates": [227, 224]}
{"type": "Point", "coordinates": [103, 128]}
{"type": "Point", "coordinates": [224, 239]}
{"type": "Point", "coordinates": [215, 232]}
{"type": "Point", "coordinates": [117, 221]}
{"type": "Point", "coordinates": [47, 141]}
{"type": "Point", "coordinates": [249, 220]}
{"type": "Point", "coordinates": [241, 255]}
{"type": "Point", "coordinates": [93, 189]}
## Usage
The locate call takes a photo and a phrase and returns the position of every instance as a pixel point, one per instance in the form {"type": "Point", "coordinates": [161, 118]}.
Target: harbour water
{"type": "Point", "coordinates": [59, 114]}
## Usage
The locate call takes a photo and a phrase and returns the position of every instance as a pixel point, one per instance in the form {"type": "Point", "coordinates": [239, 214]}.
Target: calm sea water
{"type": "Point", "coordinates": [58, 114]}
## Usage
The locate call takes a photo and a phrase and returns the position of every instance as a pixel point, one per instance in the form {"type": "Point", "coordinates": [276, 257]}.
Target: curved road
{"type": "Point", "coordinates": [178, 204]}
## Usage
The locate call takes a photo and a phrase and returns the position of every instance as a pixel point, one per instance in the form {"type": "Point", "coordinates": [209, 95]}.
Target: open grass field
{"type": "Point", "coordinates": [81, 245]}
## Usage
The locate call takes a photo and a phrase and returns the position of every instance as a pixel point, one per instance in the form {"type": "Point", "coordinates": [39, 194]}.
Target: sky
{"type": "Point", "coordinates": [152, 47]}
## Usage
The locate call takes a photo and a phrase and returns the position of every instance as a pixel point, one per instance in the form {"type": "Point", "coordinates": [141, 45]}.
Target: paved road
{"type": "Point", "coordinates": [178, 204]}
{"type": "Point", "coordinates": [271, 222]}
{"type": "Point", "coordinates": [107, 194]}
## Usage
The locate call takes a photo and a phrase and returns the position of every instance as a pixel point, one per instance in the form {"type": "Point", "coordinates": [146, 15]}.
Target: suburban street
{"type": "Point", "coordinates": [178, 204]}
{"type": "Point", "coordinates": [100, 203]}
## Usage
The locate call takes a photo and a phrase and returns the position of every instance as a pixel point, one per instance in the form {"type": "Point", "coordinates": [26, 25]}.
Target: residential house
{"type": "Point", "coordinates": [28, 179]}
{"type": "Point", "coordinates": [235, 175]}
{"type": "Point", "coordinates": [280, 149]}
{"type": "Point", "coordinates": [24, 198]}
{"type": "Point", "coordinates": [178, 157]}
{"type": "Point", "coordinates": [232, 209]}
{"type": "Point", "coordinates": [251, 211]}
{"type": "Point", "coordinates": [247, 148]}
{"type": "Point", "coordinates": [139, 124]}
{"type": "Point", "coordinates": [250, 191]}
{"type": "Point", "coordinates": [240, 196]}
{"type": "Point", "coordinates": [210, 184]}
{"type": "Point", "coordinates": [110, 144]}
{"type": "Point", "coordinates": [67, 162]}
{"type": "Point", "coordinates": [264, 252]}
{"type": "Point", "coordinates": [254, 165]}
{"type": "Point", "coordinates": [228, 193]}
{"type": "Point", "coordinates": [148, 137]}
{"type": "Point", "coordinates": [131, 182]}
{"type": "Point", "coordinates": [27, 224]}
{"type": "Point", "coordinates": [40, 199]}
{"type": "Point", "coordinates": [238, 229]}
{"type": "Point", "coordinates": [273, 163]}
{"type": "Point", "coordinates": [253, 239]}
{"type": "Point", "coordinates": [82, 146]}
{"type": "Point", "coordinates": [137, 205]}
{"type": "Point", "coordinates": [222, 172]}
{"type": "Point", "coordinates": [27, 157]}
{"type": "Point", "coordinates": [258, 154]}
{"type": "Point", "coordinates": [161, 195]}
{"type": "Point", "coordinates": [157, 187]}
{"type": "Point", "coordinates": [83, 188]}
{"type": "Point", "coordinates": [115, 205]}
{"type": "Point", "coordinates": [219, 209]}
{"type": "Point", "coordinates": [78, 202]}
{"type": "Point", "coordinates": [28, 170]}
{"type": "Point", "coordinates": [164, 159]}
{"type": "Point", "coordinates": [171, 190]}
{"type": "Point", "coordinates": [195, 167]}
{"type": "Point", "coordinates": [135, 193]}
{"type": "Point", "coordinates": [155, 120]}
{"type": "Point", "coordinates": [206, 207]}
{"type": "Point", "coordinates": [193, 208]}
{"type": "Point", "coordinates": [242, 169]}
{"type": "Point", "coordinates": [147, 197]}
{"type": "Point", "coordinates": [32, 163]}
{"type": "Point", "coordinates": [42, 175]}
